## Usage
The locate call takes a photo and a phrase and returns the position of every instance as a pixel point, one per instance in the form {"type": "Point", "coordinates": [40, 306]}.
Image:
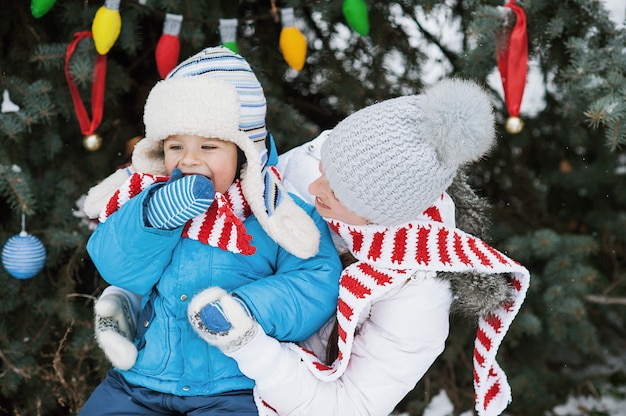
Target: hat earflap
{"type": "Point", "coordinates": [98, 195]}
{"type": "Point", "coordinates": [283, 220]}
{"type": "Point", "coordinates": [297, 232]}
{"type": "Point", "coordinates": [148, 157]}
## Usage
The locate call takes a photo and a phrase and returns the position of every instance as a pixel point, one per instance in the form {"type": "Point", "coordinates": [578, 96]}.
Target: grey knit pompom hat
{"type": "Point", "coordinates": [390, 161]}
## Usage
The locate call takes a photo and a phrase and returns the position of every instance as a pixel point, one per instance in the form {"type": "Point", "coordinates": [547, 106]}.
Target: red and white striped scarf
{"type": "Point", "coordinates": [388, 256]}
{"type": "Point", "coordinates": [220, 226]}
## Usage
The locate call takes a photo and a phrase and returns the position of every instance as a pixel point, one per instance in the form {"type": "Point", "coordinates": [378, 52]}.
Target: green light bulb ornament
{"type": "Point", "coordinates": [228, 34]}
{"type": "Point", "coordinates": [40, 7]}
{"type": "Point", "coordinates": [355, 12]}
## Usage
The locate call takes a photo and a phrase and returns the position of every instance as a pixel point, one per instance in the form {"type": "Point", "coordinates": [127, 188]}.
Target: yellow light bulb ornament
{"type": "Point", "coordinates": [106, 26]}
{"type": "Point", "coordinates": [292, 42]}
{"type": "Point", "coordinates": [355, 12]}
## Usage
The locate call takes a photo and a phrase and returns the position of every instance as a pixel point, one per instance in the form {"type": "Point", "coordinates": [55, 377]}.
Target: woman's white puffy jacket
{"type": "Point", "coordinates": [397, 341]}
{"type": "Point", "coordinates": [399, 336]}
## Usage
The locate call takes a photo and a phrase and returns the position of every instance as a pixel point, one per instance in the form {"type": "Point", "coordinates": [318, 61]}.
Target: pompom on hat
{"type": "Point", "coordinates": [215, 94]}
{"type": "Point", "coordinates": [404, 152]}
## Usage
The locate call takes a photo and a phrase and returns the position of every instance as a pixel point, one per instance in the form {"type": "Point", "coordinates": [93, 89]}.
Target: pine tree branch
{"type": "Point", "coordinates": [13, 189]}
{"type": "Point", "coordinates": [451, 56]}
{"type": "Point", "coordinates": [12, 367]}
{"type": "Point", "coordinates": [606, 300]}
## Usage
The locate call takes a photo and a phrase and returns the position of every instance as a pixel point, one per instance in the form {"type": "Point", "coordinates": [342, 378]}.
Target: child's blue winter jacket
{"type": "Point", "coordinates": [289, 297]}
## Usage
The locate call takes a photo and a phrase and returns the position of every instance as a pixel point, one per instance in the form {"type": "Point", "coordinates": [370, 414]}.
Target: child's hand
{"type": "Point", "coordinates": [221, 319]}
{"type": "Point", "coordinates": [179, 200]}
{"type": "Point", "coordinates": [116, 329]}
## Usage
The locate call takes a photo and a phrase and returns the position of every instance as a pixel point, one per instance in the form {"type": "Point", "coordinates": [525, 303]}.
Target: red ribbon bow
{"type": "Point", "coordinates": [97, 89]}
{"type": "Point", "coordinates": [513, 61]}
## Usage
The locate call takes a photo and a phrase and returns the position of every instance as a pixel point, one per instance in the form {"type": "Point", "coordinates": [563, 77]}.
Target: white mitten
{"type": "Point", "coordinates": [116, 327]}
{"type": "Point", "coordinates": [221, 319]}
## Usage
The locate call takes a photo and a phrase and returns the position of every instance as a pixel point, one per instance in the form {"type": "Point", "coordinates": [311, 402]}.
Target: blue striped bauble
{"type": "Point", "coordinates": [23, 255]}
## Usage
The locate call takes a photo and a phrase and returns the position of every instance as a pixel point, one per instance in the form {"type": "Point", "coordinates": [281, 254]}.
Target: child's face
{"type": "Point", "coordinates": [328, 206]}
{"type": "Point", "coordinates": [196, 155]}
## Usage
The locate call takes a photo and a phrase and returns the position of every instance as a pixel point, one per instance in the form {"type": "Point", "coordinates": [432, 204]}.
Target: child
{"type": "Point", "coordinates": [222, 218]}
{"type": "Point", "coordinates": [384, 170]}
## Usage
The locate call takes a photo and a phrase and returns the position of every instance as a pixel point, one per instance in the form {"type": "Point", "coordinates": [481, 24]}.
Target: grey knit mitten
{"type": "Point", "coordinates": [221, 319]}
{"type": "Point", "coordinates": [116, 327]}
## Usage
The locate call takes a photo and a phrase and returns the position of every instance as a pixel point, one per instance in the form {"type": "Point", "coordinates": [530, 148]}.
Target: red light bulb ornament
{"type": "Point", "coordinates": [40, 7]}
{"type": "Point", "coordinates": [106, 26]}
{"type": "Point", "coordinates": [512, 48]}
{"type": "Point", "coordinates": [228, 34]}
{"type": "Point", "coordinates": [292, 42]}
{"type": "Point", "coordinates": [355, 12]}
{"type": "Point", "coordinates": [168, 47]}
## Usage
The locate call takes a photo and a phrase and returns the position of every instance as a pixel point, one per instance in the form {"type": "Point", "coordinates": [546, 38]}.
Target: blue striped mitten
{"type": "Point", "coordinates": [180, 200]}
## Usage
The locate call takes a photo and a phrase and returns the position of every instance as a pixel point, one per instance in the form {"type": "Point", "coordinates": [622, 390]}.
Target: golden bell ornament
{"type": "Point", "coordinates": [92, 142]}
{"type": "Point", "coordinates": [514, 125]}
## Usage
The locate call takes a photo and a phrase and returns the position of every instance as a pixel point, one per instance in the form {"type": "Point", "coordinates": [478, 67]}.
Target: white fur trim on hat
{"type": "Point", "coordinates": [201, 114]}
{"type": "Point", "coordinates": [215, 94]}
{"type": "Point", "coordinates": [148, 157]}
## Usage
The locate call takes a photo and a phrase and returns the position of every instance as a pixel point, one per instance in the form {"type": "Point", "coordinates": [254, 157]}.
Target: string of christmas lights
{"type": "Point", "coordinates": [107, 23]}
{"type": "Point", "coordinates": [106, 27]}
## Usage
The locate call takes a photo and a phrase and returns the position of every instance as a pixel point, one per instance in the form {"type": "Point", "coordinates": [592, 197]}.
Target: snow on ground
{"type": "Point", "coordinates": [607, 404]}
{"type": "Point", "coordinates": [611, 405]}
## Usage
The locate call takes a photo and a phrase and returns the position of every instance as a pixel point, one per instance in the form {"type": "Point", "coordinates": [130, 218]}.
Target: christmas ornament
{"type": "Point", "coordinates": [228, 34]}
{"type": "Point", "coordinates": [168, 47]}
{"type": "Point", "coordinates": [514, 125]}
{"type": "Point", "coordinates": [40, 7]}
{"type": "Point", "coordinates": [92, 142]}
{"type": "Point", "coordinates": [8, 106]}
{"type": "Point", "coordinates": [87, 127]}
{"type": "Point", "coordinates": [106, 26]}
{"type": "Point", "coordinates": [292, 42]}
{"type": "Point", "coordinates": [23, 255]}
{"type": "Point", "coordinates": [355, 12]}
{"type": "Point", "coordinates": [512, 47]}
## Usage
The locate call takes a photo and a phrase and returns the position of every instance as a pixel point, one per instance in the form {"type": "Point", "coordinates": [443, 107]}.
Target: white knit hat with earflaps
{"type": "Point", "coordinates": [215, 94]}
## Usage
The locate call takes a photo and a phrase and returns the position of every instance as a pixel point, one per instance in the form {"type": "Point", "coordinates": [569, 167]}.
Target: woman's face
{"type": "Point", "coordinates": [196, 155]}
{"type": "Point", "coordinates": [328, 205]}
